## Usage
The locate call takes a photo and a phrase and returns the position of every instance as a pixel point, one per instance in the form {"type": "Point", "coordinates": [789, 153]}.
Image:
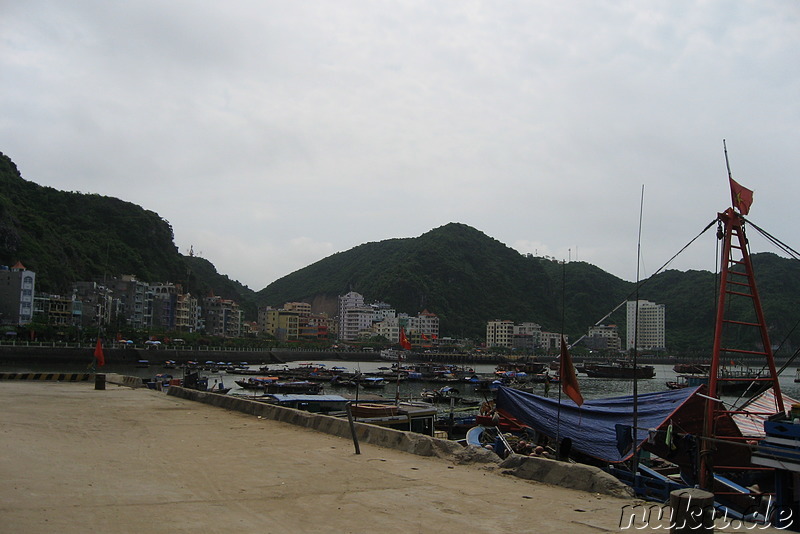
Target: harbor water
{"type": "Point", "coordinates": [591, 388]}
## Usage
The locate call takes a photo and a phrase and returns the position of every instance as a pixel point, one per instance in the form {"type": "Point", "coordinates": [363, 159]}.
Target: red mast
{"type": "Point", "coordinates": [737, 282]}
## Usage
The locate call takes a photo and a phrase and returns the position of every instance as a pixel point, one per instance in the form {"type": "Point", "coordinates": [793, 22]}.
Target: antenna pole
{"type": "Point", "coordinates": [635, 459]}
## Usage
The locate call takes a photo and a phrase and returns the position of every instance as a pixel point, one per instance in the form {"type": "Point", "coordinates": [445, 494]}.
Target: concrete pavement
{"type": "Point", "coordinates": [122, 460]}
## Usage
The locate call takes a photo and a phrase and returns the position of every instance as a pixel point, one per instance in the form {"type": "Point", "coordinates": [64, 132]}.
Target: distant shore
{"type": "Point", "coordinates": [73, 353]}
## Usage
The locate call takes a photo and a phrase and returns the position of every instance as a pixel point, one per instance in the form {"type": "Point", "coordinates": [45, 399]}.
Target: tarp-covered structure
{"type": "Point", "coordinates": [594, 426]}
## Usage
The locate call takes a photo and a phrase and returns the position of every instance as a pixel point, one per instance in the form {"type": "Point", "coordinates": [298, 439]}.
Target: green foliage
{"type": "Point", "coordinates": [66, 237]}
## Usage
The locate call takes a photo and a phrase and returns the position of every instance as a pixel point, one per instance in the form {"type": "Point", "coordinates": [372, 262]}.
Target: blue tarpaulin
{"type": "Point", "coordinates": [592, 427]}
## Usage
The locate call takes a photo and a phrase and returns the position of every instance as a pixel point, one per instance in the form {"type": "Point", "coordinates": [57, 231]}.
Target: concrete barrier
{"type": "Point", "coordinates": [566, 475]}
{"type": "Point", "coordinates": [124, 380]}
{"type": "Point", "coordinates": [375, 435]}
{"type": "Point", "coordinates": [59, 377]}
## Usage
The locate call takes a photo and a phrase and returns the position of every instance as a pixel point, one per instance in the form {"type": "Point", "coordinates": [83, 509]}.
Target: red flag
{"type": "Point", "coordinates": [98, 353]}
{"type": "Point", "coordinates": [404, 342]}
{"type": "Point", "coordinates": [426, 338]}
{"type": "Point", "coordinates": [741, 196]}
{"type": "Point", "coordinates": [569, 382]}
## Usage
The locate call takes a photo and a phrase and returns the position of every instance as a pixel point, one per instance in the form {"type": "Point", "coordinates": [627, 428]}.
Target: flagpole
{"type": "Point", "coordinates": [730, 176]}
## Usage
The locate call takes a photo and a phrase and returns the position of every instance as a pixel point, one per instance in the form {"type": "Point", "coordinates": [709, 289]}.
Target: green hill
{"type": "Point", "coordinates": [468, 278]}
{"type": "Point", "coordinates": [457, 272]}
{"type": "Point", "coordinates": [65, 237]}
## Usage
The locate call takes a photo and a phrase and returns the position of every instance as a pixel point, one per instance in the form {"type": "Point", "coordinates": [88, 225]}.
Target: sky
{"type": "Point", "coordinates": [272, 134]}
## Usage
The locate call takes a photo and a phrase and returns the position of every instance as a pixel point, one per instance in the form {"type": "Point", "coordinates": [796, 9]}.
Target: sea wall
{"type": "Point", "coordinates": [21, 353]}
{"type": "Point", "coordinates": [375, 435]}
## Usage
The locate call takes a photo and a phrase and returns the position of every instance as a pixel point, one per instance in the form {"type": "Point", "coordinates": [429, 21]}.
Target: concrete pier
{"type": "Point", "coordinates": [132, 460]}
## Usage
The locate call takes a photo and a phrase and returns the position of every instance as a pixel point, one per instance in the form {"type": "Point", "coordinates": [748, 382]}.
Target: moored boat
{"type": "Point", "coordinates": [691, 368]}
{"type": "Point", "coordinates": [619, 369]}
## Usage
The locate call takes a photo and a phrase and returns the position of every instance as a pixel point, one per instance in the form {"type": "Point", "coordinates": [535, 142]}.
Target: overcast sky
{"type": "Point", "coordinates": [272, 134]}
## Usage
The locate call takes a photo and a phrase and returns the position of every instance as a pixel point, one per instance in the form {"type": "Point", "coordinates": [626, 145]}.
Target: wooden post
{"type": "Point", "coordinates": [352, 426]}
{"type": "Point", "coordinates": [692, 511]}
{"type": "Point", "coordinates": [99, 381]}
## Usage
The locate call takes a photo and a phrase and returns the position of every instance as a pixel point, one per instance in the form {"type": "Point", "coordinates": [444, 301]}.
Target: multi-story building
{"type": "Point", "coordinates": [302, 308]}
{"type": "Point", "coordinates": [551, 341]}
{"type": "Point", "coordinates": [351, 300]}
{"type": "Point", "coordinates": [92, 303]}
{"type": "Point", "coordinates": [428, 325]}
{"type": "Point", "coordinates": [16, 294]}
{"type": "Point", "coordinates": [499, 333]}
{"type": "Point", "coordinates": [57, 310]}
{"type": "Point", "coordinates": [187, 313]}
{"type": "Point", "coordinates": [222, 317]}
{"type": "Point", "coordinates": [646, 325]}
{"type": "Point", "coordinates": [356, 323]}
{"type": "Point", "coordinates": [135, 301]}
{"type": "Point", "coordinates": [526, 336]}
{"type": "Point", "coordinates": [603, 337]}
{"type": "Point", "coordinates": [315, 328]}
{"type": "Point", "coordinates": [165, 305]}
{"type": "Point", "coordinates": [282, 324]}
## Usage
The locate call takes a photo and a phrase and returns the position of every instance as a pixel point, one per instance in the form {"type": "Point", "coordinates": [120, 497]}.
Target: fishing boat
{"type": "Point", "coordinates": [619, 369]}
{"type": "Point", "coordinates": [691, 368]}
{"type": "Point", "coordinates": [730, 382]}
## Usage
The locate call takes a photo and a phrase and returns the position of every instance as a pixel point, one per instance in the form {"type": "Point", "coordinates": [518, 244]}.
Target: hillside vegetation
{"type": "Point", "coordinates": [65, 237]}
{"type": "Point", "coordinates": [464, 276]}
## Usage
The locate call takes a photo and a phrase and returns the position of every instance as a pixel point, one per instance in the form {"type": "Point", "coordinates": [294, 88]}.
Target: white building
{"type": "Point", "coordinates": [351, 300]}
{"type": "Point", "coordinates": [603, 337]}
{"type": "Point", "coordinates": [499, 333]}
{"type": "Point", "coordinates": [650, 334]}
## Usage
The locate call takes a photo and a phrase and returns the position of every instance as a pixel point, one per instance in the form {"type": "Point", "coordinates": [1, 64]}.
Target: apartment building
{"type": "Point", "coordinates": [499, 333]}
{"type": "Point", "coordinates": [649, 332]}
{"type": "Point", "coordinates": [603, 337]}
{"type": "Point", "coordinates": [16, 294]}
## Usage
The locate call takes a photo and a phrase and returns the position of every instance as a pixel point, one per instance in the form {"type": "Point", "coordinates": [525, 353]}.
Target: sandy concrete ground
{"type": "Point", "coordinates": [77, 460]}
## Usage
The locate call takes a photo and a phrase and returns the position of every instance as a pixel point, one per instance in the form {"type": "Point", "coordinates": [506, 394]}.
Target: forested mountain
{"type": "Point", "coordinates": [65, 237]}
{"type": "Point", "coordinates": [462, 275]}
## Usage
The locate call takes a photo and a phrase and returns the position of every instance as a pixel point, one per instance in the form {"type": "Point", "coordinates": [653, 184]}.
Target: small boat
{"type": "Point", "coordinates": [373, 383]}
{"type": "Point", "coordinates": [373, 410]}
{"type": "Point", "coordinates": [143, 364]}
{"type": "Point", "coordinates": [256, 383]}
{"type": "Point", "coordinates": [391, 355]}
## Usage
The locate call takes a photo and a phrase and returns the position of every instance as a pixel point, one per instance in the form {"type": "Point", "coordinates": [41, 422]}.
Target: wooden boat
{"type": "Point", "coordinates": [619, 369]}
{"type": "Point", "coordinates": [728, 383]}
{"type": "Point", "coordinates": [257, 383]}
{"type": "Point", "coordinates": [691, 368]}
{"type": "Point", "coordinates": [373, 410]}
